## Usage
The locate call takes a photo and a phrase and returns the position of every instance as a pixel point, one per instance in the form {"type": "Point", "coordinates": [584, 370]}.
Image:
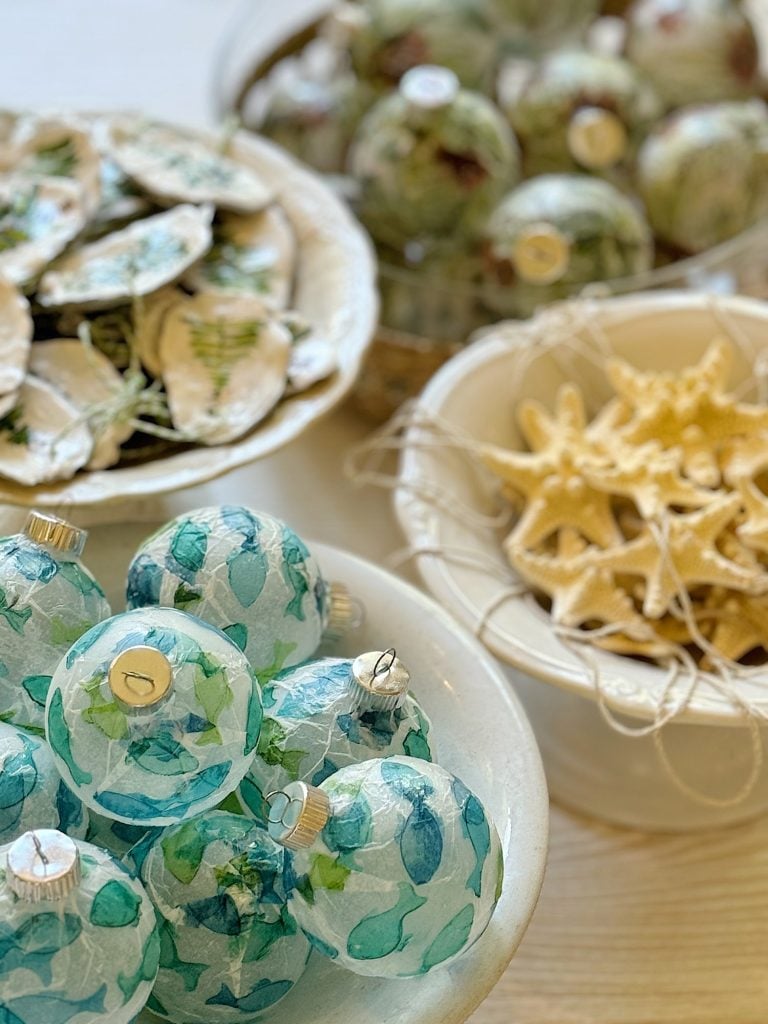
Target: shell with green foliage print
{"type": "Point", "coordinates": [229, 949]}
{"type": "Point", "coordinates": [168, 761]}
{"type": "Point", "coordinates": [87, 958]}
{"type": "Point", "coordinates": [406, 873]}
{"type": "Point", "coordinates": [243, 571]}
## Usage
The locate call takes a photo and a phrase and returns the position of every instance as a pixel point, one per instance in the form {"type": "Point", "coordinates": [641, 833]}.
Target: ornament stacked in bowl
{"type": "Point", "coordinates": [506, 155]}
{"type": "Point", "coordinates": [211, 799]}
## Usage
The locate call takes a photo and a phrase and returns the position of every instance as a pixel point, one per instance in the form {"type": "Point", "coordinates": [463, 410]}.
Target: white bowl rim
{"type": "Point", "coordinates": [557, 667]}
{"type": "Point", "coordinates": [294, 415]}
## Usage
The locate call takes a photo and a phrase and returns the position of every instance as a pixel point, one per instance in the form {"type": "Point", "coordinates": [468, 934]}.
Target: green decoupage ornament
{"type": "Point", "coordinates": [32, 793]}
{"type": "Point", "coordinates": [229, 949]}
{"type": "Point", "coordinates": [248, 574]}
{"type": "Point", "coordinates": [47, 600]}
{"type": "Point", "coordinates": [330, 713]}
{"type": "Point", "coordinates": [78, 938]}
{"type": "Point", "coordinates": [397, 866]}
{"type": "Point", "coordinates": [127, 843]}
{"type": "Point", "coordinates": [153, 716]}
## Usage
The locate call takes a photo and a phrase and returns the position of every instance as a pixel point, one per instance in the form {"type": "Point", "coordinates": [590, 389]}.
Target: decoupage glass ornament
{"type": "Point", "coordinates": [32, 793]}
{"type": "Point", "coordinates": [431, 161]}
{"type": "Point", "coordinates": [229, 948]}
{"type": "Point", "coordinates": [78, 938]}
{"type": "Point", "coordinates": [48, 599]}
{"type": "Point", "coordinates": [248, 574]}
{"type": "Point", "coordinates": [398, 867]}
{"type": "Point", "coordinates": [127, 843]}
{"type": "Point", "coordinates": [153, 716]}
{"type": "Point", "coordinates": [329, 713]}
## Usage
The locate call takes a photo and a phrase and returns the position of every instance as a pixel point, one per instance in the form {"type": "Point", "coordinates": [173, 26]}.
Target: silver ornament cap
{"type": "Point", "coordinates": [344, 612]}
{"type": "Point", "coordinates": [43, 528]}
{"type": "Point", "coordinates": [429, 87]}
{"type": "Point", "coordinates": [379, 681]}
{"type": "Point", "coordinates": [297, 815]}
{"type": "Point", "coordinates": [43, 864]}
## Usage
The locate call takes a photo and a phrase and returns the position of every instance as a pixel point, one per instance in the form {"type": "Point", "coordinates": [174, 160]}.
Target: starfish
{"type": "Point", "coordinates": [754, 530]}
{"type": "Point", "coordinates": [689, 409]}
{"type": "Point", "coordinates": [693, 555]}
{"type": "Point", "coordinates": [551, 477]}
{"type": "Point", "coordinates": [651, 478]}
{"type": "Point", "coordinates": [744, 457]}
{"type": "Point", "coordinates": [740, 625]}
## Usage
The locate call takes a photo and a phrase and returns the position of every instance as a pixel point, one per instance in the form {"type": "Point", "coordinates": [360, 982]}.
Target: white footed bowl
{"type": "Point", "coordinates": [590, 766]}
{"type": "Point", "coordinates": [335, 290]}
{"type": "Point", "coordinates": [482, 735]}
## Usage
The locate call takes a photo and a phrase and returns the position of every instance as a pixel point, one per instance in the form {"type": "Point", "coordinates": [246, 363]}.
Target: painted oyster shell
{"type": "Point", "coordinates": [93, 385]}
{"type": "Point", "coordinates": [134, 261]}
{"type": "Point", "coordinates": [251, 255]}
{"type": "Point", "coordinates": [15, 339]}
{"type": "Point", "coordinates": [58, 149]}
{"type": "Point", "coordinates": [148, 325]}
{"type": "Point", "coordinates": [224, 362]}
{"type": "Point", "coordinates": [43, 438]}
{"type": "Point", "coordinates": [176, 167]}
{"type": "Point", "coordinates": [702, 173]}
{"type": "Point", "coordinates": [38, 218]}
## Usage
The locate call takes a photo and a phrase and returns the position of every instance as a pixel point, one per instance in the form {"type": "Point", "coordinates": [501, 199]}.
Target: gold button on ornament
{"type": "Point", "coordinates": [140, 676]}
{"type": "Point", "coordinates": [56, 533]}
{"type": "Point", "coordinates": [541, 254]}
{"type": "Point", "coordinates": [597, 139]}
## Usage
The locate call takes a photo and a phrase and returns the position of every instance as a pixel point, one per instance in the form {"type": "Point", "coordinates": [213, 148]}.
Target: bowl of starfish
{"type": "Point", "coordinates": [173, 305]}
{"type": "Point", "coordinates": [589, 493]}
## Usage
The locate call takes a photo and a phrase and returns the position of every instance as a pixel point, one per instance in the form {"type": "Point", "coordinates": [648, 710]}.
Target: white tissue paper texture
{"type": "Point", "coordinates": [406, 873]}
{"type": "Point", "coordinates": [311, 729]}
{"type": "Point", "coordinates": [162, 763]}
{"type": "Point", "coordinates": [88, 958]}
{"type": "Point", "coordinates": [228, 946]}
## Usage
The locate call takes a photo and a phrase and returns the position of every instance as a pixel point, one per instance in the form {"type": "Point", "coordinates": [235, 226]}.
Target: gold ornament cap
{"type": "Point", "coordinates": [541, 254]}
{"type": "Point", "coordinates": [344, 612]}
{"type": "Point", "coordinates": [140, 676]}
{"type": "Point", "coordinates": [379, 681]}
{"type": "Point", "coordinates": [297, 815]}
{"type": "Point", "coordinates": [597, 138]}
{"type": "Point", "coordinates": [43, 528]}
{"type": "Point", "coordinates": [43, 864]}
{"type": "Point", "coordinates": [429, 87]}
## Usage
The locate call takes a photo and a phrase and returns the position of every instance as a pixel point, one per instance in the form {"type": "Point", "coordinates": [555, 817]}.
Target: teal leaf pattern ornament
{"type": "Point", "coordinates": [244, 572]}
{"type": "Point", "coordinates": [48, 599]}
{"type": "Point", "coordinates": [32, 793]}
{"type": "Point", "coordinates": [64, 960]}
{"type": "Point", "coordinates": [406, 873]}
{"type": "Point", "coordinates": [229, 947]}
{"type": "Point", "coordinates": [312, 729]}
{"type": "Point", "coordinates": [171, 760]}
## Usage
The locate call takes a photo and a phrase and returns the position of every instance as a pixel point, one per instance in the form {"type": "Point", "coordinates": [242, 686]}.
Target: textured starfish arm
{"type": "Point", "coordinates": [521, 470]}
{"type": "Point", "coordinates": [544, 573]}
{"type": "Point", "coordinates": [536, 425]}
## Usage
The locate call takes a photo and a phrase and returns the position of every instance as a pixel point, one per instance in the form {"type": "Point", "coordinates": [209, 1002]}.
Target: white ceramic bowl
{"type": "Point", "coordinates": [483, 736]}
{"type": "Point", "coordinates": [589, 765]}
{"type": "Point", "coordinates": [335, 290]}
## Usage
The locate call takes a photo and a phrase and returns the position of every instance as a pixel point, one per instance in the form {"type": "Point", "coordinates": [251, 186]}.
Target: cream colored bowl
{"type": "Point", "coordinates": [335, 290]}
{"type": "Point", "coordinates": [483, 736]}
{"type": "Point", "coordinates": [590, 766]}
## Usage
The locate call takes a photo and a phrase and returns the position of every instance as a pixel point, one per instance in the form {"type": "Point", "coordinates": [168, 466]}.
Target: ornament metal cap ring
{"type": "Point", "coordinates": [541, 254]}
{"type": "Point", "coordinates": [380, 680]}
{"type": "Point", "coordinates": [140, 676]}
{"type": "Point", "coordinates": [297, 814]}
{"type": "Point", "coordinates": [429, 87]}
{"type": "Point", "coordinates": [43, 864]}
{"type": "Point", "coordinates": [44, 528]}
{"type": "Point", "coordinates": [344, 612]}
{"type": "Point", "coordinates": [597, 138]}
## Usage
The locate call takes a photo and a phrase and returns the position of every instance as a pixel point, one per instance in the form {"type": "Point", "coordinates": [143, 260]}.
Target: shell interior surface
{"type": "Point", "coordinates": [15, 340]}
{"type": "Point", "coordinates": [53, 148]}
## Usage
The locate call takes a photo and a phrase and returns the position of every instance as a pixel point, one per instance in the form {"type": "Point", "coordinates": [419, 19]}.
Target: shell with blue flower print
{"type": "Point", "coordinates": [406, 873]}
{"type": "Point", "coordinates": [32, 793]}
{"type": "Point", "coordinates": [229, 949]}
{"type": "Point", "coordinates": [245, 572]}
{"type": "Point", "coordinates": [48, 599]}
{"type": "Point", "coordinates": [89, 957]}
{"type": "Point", "coordinates": [169, 761]}
{"type": "Point", "coordinates": [311, 729]}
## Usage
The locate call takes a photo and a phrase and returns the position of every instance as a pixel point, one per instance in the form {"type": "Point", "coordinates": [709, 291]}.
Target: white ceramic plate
{"type": "Point", "coordinates": [335, 291]}
{"type": "Point", "coordinates": [477, 393]}
{"type": "Point", "coordinates": [483, 736]}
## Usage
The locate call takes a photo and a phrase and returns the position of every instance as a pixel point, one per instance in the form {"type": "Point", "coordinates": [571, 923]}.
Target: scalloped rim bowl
{"type": "Point", "coordinates": [476, 393]}
{"type": "Point", "coordinates": [335, 290]}
{"type": "Point", "coordinates": [482, 734]}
